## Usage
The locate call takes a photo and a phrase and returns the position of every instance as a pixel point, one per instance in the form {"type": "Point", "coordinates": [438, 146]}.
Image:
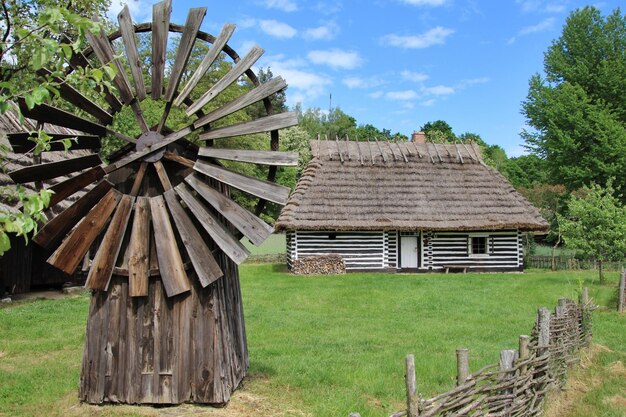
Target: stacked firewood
{"type": "Point", "coordinates": [319, 265]}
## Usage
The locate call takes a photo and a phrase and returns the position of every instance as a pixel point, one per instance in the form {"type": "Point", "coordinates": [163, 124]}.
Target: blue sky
{"type": "Point", "coordinates": [398, 64]}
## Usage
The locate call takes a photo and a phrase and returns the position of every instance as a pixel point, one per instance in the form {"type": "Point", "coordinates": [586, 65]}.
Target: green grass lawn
{"type": "Point", "coordinates": [275, 244]}
{"type": "Point", "coordinates": [328, 345]}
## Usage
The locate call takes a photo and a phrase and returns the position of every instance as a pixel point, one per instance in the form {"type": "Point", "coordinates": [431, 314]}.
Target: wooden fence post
{"type": "Point", "coordinates": [507, 357]}
{"type": "Point", "coordinates": [585, 297]}
{"type": "Point", "coordinates": [411, 388]}
{"type": "Point", "coordinates": [462, 366]}
{"type": "Point", "coordinates": [543, 328]}
{"type": "Point", "coordinates": [621, 298]}
{"type": "Point", "coordinates": [524, 352]}
{"type": "Point", "coordinates": [561, 307]}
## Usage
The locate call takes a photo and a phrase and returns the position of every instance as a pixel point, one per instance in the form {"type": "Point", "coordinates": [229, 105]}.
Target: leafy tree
{"type": "Point", "coordinates": [578, 109]}
{"type": "Point", "coordinates": [438, 131]}
{"type": "Point", "coordinates": [31, 38]}
{"type": "Point", "coordinates": [596, 224]}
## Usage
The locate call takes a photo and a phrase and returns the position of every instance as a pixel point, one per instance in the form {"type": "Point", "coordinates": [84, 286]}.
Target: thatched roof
{"type": "Point", "coordinates": [404, 186]}
{"type": "Point", "coordinates": [10, 123]}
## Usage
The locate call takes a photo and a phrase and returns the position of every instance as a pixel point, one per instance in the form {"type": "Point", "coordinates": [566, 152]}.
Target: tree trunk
{"type": "Point", "coordinates": [558, 240]}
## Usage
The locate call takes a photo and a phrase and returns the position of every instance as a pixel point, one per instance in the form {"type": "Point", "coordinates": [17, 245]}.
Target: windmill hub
{"type": "Point", "coordinates": [148, 139]}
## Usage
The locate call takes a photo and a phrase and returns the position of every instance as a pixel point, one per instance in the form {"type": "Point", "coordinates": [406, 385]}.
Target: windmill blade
{"type": "Point", "coordinates": [20, 142]}
{"type": "Point", "coordinates": [260, 188]}
{"type": "Point", "coordinates": [260, 125]}
{"type": "Point", "coordinates": [207, 61]}
{"type": "Point", "coordinates": [51, 234]}
{"type": "Point", "coordinates": [205, 265]}
{"type": "Point", "coordinates": [233, 248]}
{"type": "Point", "coordinates": [51, 170]}
{"type": "Point", "coordinates": [104, 51]}
{"type": "Point", "coordinates": [171, 264]}
{"type": "Point", "coordinates": [139, 250]}
{"type": "Point", "coordinates": [70, 186]}
{"type": "Point", "coordinates": [103, 263]}
{"type": "Point", "coordinates": [73, 96]}
{"type": "Point", "coordinates": [252, 156]}
{"type": "Point", "coordinates": [242, 66]}
{"type": "Point", "coordinates": [162, 174]}
{"type": "Point", "coordinates": [192, 26]}
{"type": "Point", "coordinates": [132, 54]}
{"type": "Point", "coordinates": [75, 246]}
{"type": "Point", "coordinates": [47, 114]}
{"type": "Point", "coordinates": [251, 97]}
{"type": "Point", "coordinates": [252, 227]}
{"type": "Point", "coordinates": [79, 60]}
{"type": "Point", "coordinates": [160, 28]}
{"type": "Point", "coordinates": [141, 172]}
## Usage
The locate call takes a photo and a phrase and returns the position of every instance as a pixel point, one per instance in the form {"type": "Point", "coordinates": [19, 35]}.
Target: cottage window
{"type": "Point", "coordinates": [478, 245]}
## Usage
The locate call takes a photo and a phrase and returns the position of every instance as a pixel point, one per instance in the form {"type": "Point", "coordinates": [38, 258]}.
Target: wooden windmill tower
{"type": "Point", "coordinates": [166, 321]}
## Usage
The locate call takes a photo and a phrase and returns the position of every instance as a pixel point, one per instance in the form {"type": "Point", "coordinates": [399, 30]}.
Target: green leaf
{"type": "Point", "coordinates": [5, 243]}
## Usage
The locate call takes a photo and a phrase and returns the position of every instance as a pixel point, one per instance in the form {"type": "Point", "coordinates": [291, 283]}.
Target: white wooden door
{"type": "Point", "coordinates": [408, 252]}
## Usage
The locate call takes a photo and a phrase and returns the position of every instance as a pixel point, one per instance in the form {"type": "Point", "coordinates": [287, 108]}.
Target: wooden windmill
{"type": "Point", "coordinates": [166, 321]}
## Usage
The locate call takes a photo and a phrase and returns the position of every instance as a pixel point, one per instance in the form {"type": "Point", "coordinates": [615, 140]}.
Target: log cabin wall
{"type": "Point", "coordinates": [359, 250]}
{"type": "Point", "coordinates": [504, 250]}
{"type": "Point", "coordinates": [438, 250]}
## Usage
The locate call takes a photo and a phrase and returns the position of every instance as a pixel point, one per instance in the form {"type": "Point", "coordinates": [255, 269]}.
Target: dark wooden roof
{"type": "Point", "coordinates": [404, 186]}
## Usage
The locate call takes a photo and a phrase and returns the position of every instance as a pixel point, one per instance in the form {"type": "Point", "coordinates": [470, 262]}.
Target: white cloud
{"type": "Point", "coordinates": [323, 32]}
{"type": "Point", "coordinates": [140, 10]}
{"type": "Point", "coordinates": [360, 82]}
{"type": "Point", "coordinates": [277, 29]}
{"type": "Point", "coordinates": [439, 90]}
{"type": "Point", "coordinates": [328, 8]}
{"type": "Point", "coordinates": [415, 77]}
{"type": "Point", "coordinates": [304, 85]}
{"type": "Point", "coordinates": [428, 103]}
{"type": "Point", "coordinates": [376, 94]}
{"type": "Point", "coordinates": [336, 58]}
{"type": "Point", "coordinates": [284, 5]}
{"type": "Point", "coordinates": [435, 36]}
{"type": "Point", "coordinates": [425, 2]}
{"type": "Point", "coordinates": [472, 81]}
{"type": "Point", "coordinates": [542, 26]}
{"type": "Point", "coordinates": [401, 95]}
{"type": "Point", "coordinates": [246, 23]}
{"type": "Point", "coordinates": [529, 6]}
{"type": "Point", "coordinates": [245, 47]}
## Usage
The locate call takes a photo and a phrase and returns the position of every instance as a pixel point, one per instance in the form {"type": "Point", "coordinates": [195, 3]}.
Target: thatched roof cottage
{"type": "Point", "coordinates": [407, 206]}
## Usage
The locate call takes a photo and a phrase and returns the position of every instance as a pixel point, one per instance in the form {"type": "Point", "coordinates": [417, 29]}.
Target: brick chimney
{"type": "Point", "coordinates": [418, 137]}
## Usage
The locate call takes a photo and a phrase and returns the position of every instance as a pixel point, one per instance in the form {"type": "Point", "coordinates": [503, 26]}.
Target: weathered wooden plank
{"type": "Point", "coordinates": [147, 346]}
{"type": "Point", "coordinates": [220, 235]}
{"type": "Point", "coordinates": [171, 264]}
{"type": "Point", "coordinates": [40, 172]}
{"type": "Point", "coordinates": [162, 174]}
{"type": "Point", "coordinates": [263, 124]}
{"type": "Point", "coordinates": [51, 234]}
{"type": "Point", "coordinates": [160, 28]}
{"type": "Point", "coordinates": [242, 66]}
{"type": "Point", "coordinates": [192, 25]}
{"type": "Point", "coordinates": [199, 253]}
{"type": "Point", "coordinates": [104, 51]}
{"type": "Point", "coordinates": [141, 172]}
{"type": "Point", "coordinates": [48, 114]}
{"type": "Point", "coordinates": [252, 227]}
{"type": "Point", "coordinates": [71, 252]}
{"type": "Point", "coordinates": [260, 188]}
{"type": "Point", "coordinates": [106, 256]}
{"type": "Point", "coordinates": [72, 185]}
{"type": "Point", "coordinates": [259, 93]}
{"type": "Point", "coordinates": [252, 156]}
{"type": "Point", "coordinates": [209, 58]}
{"type": "Point", "coordinates": [179, 159]}
{"type": "Point", "coordinates": [73, 96]}
{"type": "Point", "coordinates": [169, 139]}
{"type": "Point", "coordinates": [132, 54]}
{"type": "Point", "coordinates": [124, 340]}
{"type": "Point", "coordinates": [20, 142]}
{"type": "Point", "coordinates": [139, 247]}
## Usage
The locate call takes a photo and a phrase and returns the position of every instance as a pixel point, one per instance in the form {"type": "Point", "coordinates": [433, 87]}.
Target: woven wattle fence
{"type": "Point", "coordinates": [518, 384]}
